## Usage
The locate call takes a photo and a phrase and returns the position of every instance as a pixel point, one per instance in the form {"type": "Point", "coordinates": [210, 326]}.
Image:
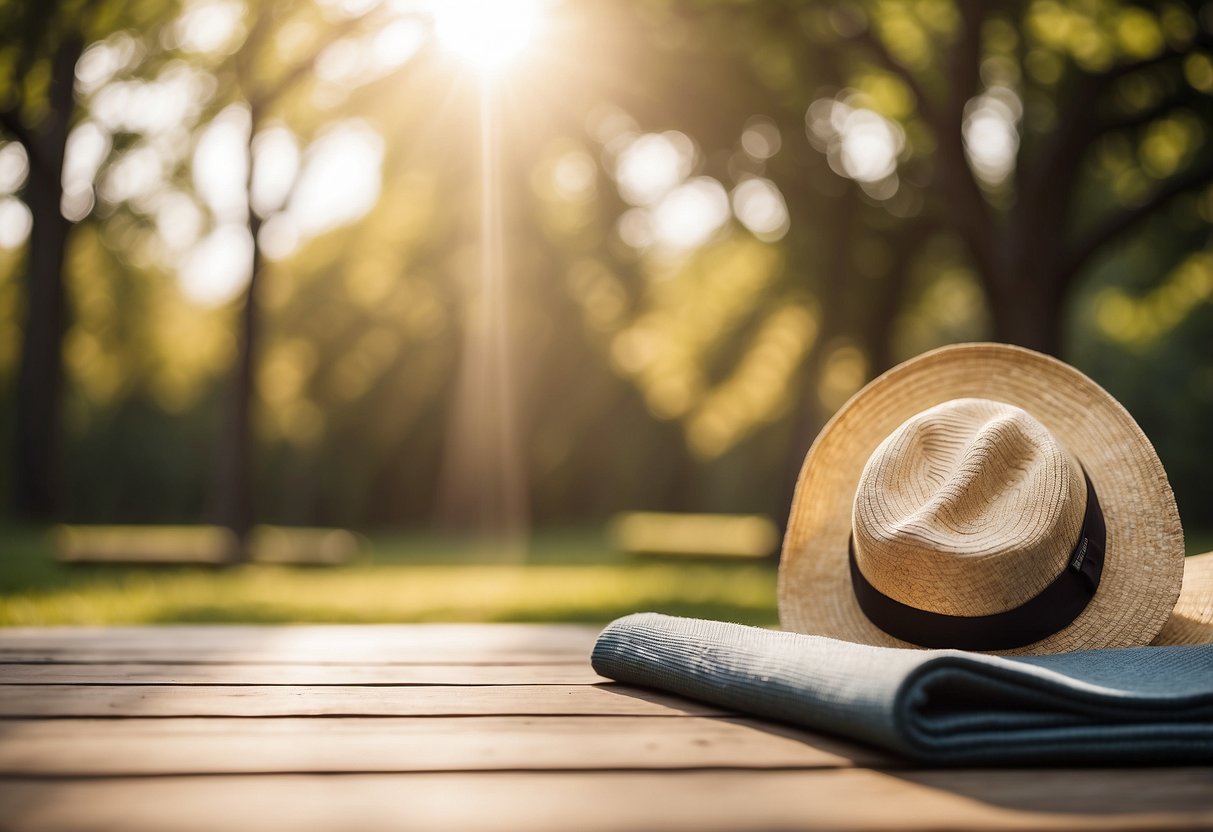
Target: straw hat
{"type": "Point", "coordinates": [988, 497]}
{"type": "Point", "coordinates": [1192, 620]}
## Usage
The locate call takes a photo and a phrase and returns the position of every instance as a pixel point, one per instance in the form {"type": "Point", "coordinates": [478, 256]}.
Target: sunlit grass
{"type": "Point", "coordinates": [568, 577]}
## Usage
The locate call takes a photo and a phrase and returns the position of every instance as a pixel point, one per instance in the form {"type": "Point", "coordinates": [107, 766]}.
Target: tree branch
{"type": "Point", "coordinates": [1122, 221]}
{"type": "Point", "coordinates": [965, 70]}
{"type": "Point", "coordinates": [1056, 166]}
{"type": "Point", "coordinates": [1118, 71]}
{"type": "Point", "coordinates": [11, 122]}
{"type": "Point", "coordinates": [881, 54]}
{"type": "Point", "coordinates": [1141, 118]}
{"type": "Point", "coordinates": [264, 98]}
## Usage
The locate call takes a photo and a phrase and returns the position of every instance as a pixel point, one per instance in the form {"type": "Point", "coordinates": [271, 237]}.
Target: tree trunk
{"type": "Point", "coordinates": [37, 486]}
{"type": "Point", "coordinates": [233, 495]}
{"type": "Point", "coordinates": [885, 302]}
{"type": "Point", "coordinates": [833, 290]}
{"type": "Point", "coordinates": [38, 467]}
{"type": "Point", "coordinates": [233, 487]}
{"type": "Point", "coordinates": [1028, 313]}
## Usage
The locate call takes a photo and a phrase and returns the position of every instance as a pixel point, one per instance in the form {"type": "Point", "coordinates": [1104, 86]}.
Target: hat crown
{"type": "Point", "coordinates": [969, 508]}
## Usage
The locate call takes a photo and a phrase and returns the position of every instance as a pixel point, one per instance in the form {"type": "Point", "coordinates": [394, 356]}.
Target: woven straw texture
{"type": "Point", "coordinates": [1143, 705]}
{"type": "Point", "coordinates": [985, 516]}
{"type": "Point", "coordinates": [1192, 620]}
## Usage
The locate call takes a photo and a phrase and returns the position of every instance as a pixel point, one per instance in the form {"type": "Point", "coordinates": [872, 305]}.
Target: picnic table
{"type": "Point", "coordinates": [464, 727]}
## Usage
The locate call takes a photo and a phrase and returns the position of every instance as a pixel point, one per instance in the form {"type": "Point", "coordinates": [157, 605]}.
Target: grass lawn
{"type": "Point", "coordinates": [567, 576]}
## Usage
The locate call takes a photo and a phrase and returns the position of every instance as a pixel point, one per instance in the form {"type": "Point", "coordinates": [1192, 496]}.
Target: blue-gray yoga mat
{"type": "Point", "coordinates": [1138, 705]}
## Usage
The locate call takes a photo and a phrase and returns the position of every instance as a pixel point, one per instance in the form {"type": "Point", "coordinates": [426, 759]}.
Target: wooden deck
{"type": "Point", "coordinates": [464, 728]}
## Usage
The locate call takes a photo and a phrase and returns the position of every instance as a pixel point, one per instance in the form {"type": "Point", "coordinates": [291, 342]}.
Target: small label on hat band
{"type": "Point", "coordinates": [1079, 555]}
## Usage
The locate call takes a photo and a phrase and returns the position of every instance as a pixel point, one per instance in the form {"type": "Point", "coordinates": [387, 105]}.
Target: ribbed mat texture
{"type": "Point", "coordinates": [1138, 705]}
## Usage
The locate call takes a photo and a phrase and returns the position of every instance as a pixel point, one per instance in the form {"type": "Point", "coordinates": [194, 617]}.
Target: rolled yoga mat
{"type": "Point", "coordinates": [1126, 706]}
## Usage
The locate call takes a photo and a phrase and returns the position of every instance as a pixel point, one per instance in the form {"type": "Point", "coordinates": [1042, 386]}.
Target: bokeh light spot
{"type": "Point", "coordinates": [760, 207]}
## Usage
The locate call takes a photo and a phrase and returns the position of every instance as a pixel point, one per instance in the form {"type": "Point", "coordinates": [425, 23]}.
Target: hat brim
{"type": "Point", "coordinates": [1192, 620]}
{"type": "Point", "coordinates": [1143, 564]}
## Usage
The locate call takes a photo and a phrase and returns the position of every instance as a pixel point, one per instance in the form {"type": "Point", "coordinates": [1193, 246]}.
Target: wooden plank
{"type": "Point", "coordinates": [261, 656]}
{"type": "Point", "coordinates": [300, 644]}
{"type": "Point", "coordinates": [287, 745]}
{"type": "Point", "coordinates": [548, 637]}
{"type": "Point", "coordinates": [340, 700]}
{"type": "Point", "coordinates": [700, 801]}
{"type": "Point", "coordinates": [297, 674]}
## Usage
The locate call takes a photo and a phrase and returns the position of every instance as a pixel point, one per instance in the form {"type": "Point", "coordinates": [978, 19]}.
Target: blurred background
{"type": "Point", "coordinates": [448, 291]}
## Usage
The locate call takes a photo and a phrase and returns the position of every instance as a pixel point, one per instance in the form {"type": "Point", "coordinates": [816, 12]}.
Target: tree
{"type": "Point", "coordinates": [262, 80]}
{"type": "Point", "coordinates": [1007, 109]}
{"type": "Point", "coordinates": [1080, 78]}
{"type": "Point", "coordinates": [40, 46]}
{"type": "Point", "coordinates": [42, 42]}
{"type": "Point", "coordinates": [1013, 143]}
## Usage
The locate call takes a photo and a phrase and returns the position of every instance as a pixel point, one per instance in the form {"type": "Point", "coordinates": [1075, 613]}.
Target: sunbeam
{"type": "Point", "coordinates": [484, 489]}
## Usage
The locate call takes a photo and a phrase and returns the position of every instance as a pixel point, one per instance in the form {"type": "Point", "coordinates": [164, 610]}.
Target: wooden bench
{"type": "Point", "coordinates": [464, 727]}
